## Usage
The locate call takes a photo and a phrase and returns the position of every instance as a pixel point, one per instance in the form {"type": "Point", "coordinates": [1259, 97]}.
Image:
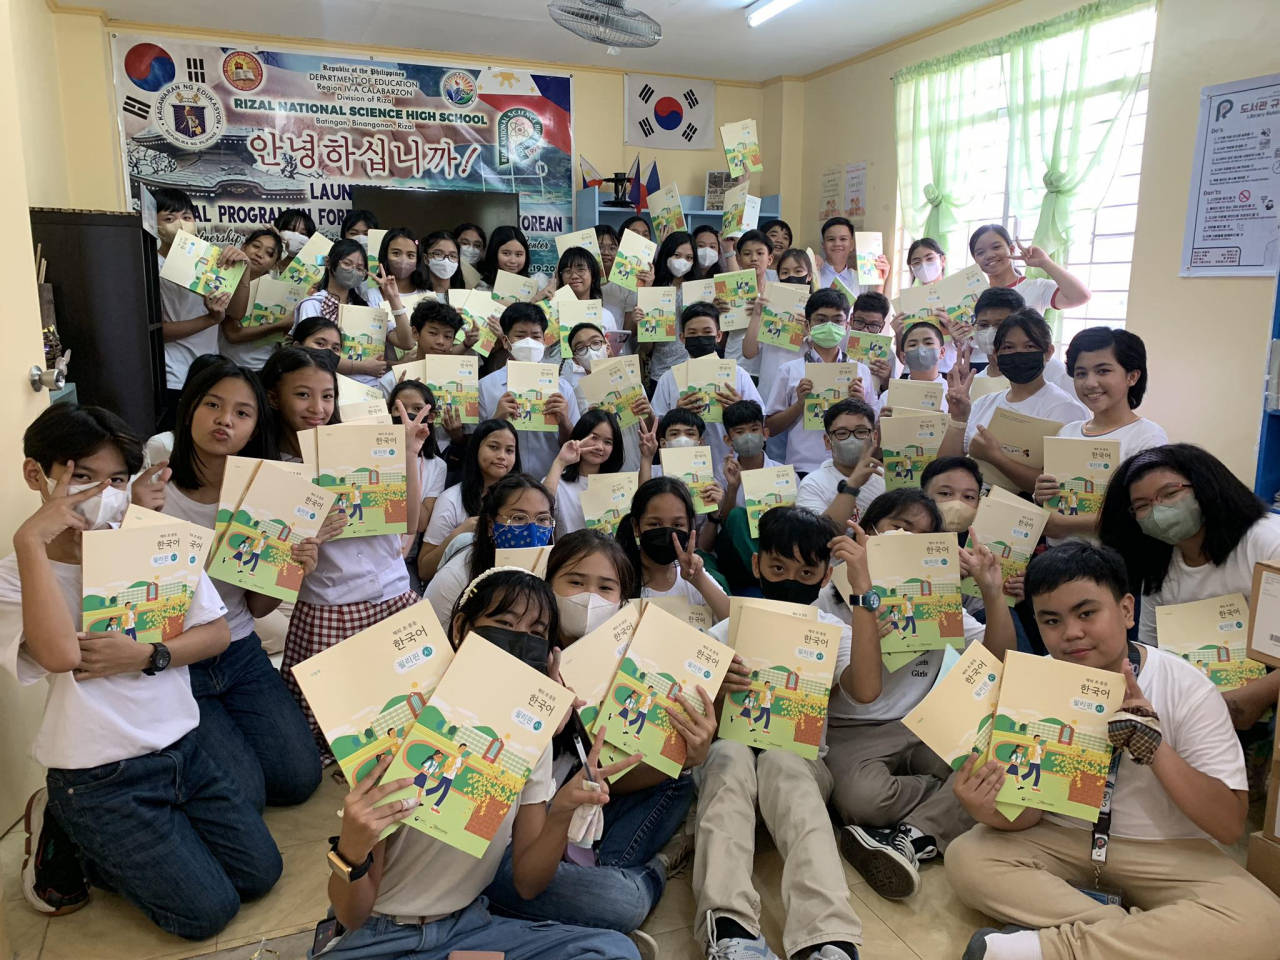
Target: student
{"type": "Point", "coordinates": [471, 242]}
{"type": "Point", "coordinates": [926, 261]}
{"type": "Point", "coordinates": [295, 227]}
{"type": "Point", "coordinates": [416, 396]}
{"type": "Point", "coordinates": [318, 333]}
{"type": "Point", "coordinates": [251, 346]}
{"type": "Point", "coordinates": [797, 548]}
{"type": "Point", "coordinates": [921, 350]}
{"type": "Point", "coordinates": [656, 535]}
{"type": "Point", "coordinates": [589, 345]}
{"type": "Point", "coordinates": [752, 252]}
{"type": "Point", "coordinates": [992, 308]}
{"type": "Point", "coordinates": [1110, 370]}
{"type": "Point", "coordinates": [435, 890]}
{"type": "Point", "coordinates": [524, 326]}
{"type": "Point", "coordinates": [579, 270]}
{"type": "Point", "coordinates": [517, 511]}
{"type": "Point", "coordinates": [890, 789]}
{"type": "Point", "coordinates": [507, 249]}
{"type": "Point", "coordinates": [677, 428]}
{"type": "Point", "coordinates": [870, 314]}
{"type": "Point", "coordinates": [1173, 794]}
{"type": "Point", "coordinates": [636, 224]}
{"type": "Point", "coordinates": [992, 250]}
{"type": "Point", "coordinates": [190, 321]}
{"type": "Point", "coordinates": [792, 267]}
{"type": "Point", "coordinates": [706, 242]}
{"type": "Point", "coordinates": [435, 325]}
{"type": "Point", "coordinates": [594, 447]}
{"type": "Point", "coordinates": [357, 224]}
{"type": "Point", "coordinates": [839, 259]}
{"type": "Point", "coordinates": [398, 258]}
{"type": "Point", "coordinates": [780, 239]}
{"type": "Point", "coordinates": [847, 482]}
{"type": "Point", "coordinates": [249, 724]}
{"type": "Point", "coordinates": [744, 422]}
{"type": "Point", "coordinates": [132, 802]}
{"type": "Point", "coordinates": [674, 263]}
{"type": "Point", "coordinates": [619, 301]}
{"type": "Point", "coordinates": [1023, 343]}
{"type": "Point", "coordinates": [826, 326]}
{"type": "Point", "coordinates": [955, 485]}
{"type": "Point", "coordinates": [439, 251]}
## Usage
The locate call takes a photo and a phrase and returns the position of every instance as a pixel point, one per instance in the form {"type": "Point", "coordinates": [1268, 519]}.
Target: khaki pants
{"type": "Point", "coordinates": [885, 776]}
{"type": "Point", "coordinates": [1189, 898]}
{"type": "Point", "coordinates": [792, 793]}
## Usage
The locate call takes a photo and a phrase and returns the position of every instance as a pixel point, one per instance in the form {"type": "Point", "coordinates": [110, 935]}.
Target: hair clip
{"type": "Point", "coordinates": [470, 592]}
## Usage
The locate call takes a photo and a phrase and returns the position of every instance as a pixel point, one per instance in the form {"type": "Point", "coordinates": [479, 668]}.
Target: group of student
{"type": "Point", "coordinates": [163, 802]}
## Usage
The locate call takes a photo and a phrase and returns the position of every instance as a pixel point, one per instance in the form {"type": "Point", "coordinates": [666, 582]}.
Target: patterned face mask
{"type": "Point", "coordinates": [511, 536]}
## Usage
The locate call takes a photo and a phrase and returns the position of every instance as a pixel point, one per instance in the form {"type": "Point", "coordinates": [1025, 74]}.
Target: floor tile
{"type": "Point", "coordinates": [111, 928]}
{"type": "Point", "coordinates": [26, 930]}
{"type": "Point", "coordinates": [11, 853]}
{"type": "Point", "coordinates": [674, 911]}
{"type": "Point", "coordinates": [934, 923]}
{"type": "Point", "coordinates": [678, 945]}
{"type": "Point", "coordinates": [317, 819]}
{"type": "Point", "coordinates": [298, 902]}
{"type": "Point", "coordinates": [292, 947]}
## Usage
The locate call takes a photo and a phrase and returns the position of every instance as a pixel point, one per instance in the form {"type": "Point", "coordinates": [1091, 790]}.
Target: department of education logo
{"type": "Point", "coordinates": [458, 88]}
{"type": "Point", "coordinates": [189, 115]}
{"type": "Point", "coordinates": [519, 136]}
{"type": "Point", "coordinates": [242, 70]}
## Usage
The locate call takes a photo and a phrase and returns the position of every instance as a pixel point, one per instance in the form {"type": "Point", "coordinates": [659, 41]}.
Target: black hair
{"type": "Point", "coordinates": [999, 298]}
{"type": "Point", "coordinates": [261, 232]}
{"type": "Point", "coordinates": [626, 225]}
{"type": "Point", "coordinates": [261, 445]}
{"type": "Point", "coordinates": [578, 328]}
{"type": "Point", "coordinates": [340, 250]}
{"type": "Point", "coordinates": [69, 431]}
{"type": "Point", "coordinates": [310, 327]}
{"type": "Point", "coordinates": [740, 414]}
{"type": "Point", "coordinates": [836, 222]}
{"type": "Point", "coordinates": [752, 236]}
{"type": "Point", "coordinates": [895, 503]}
{"type": "Point", "coordinates": [790, 531]}
{"type": "Point", "coordinates": [495, 498]}
{"type": "Point", "coordinates": [826, 298]}
{"type": "Point", "coordinates": [1129, 350]}
{"type": "Point", "coordinates": [503, 235]}
{"type": "Point", "coordinates": [418, 278]}
{"type": "Point", "coordinates": [529, 312]}
{"type": "Point", "coordinates": [770, 224]}
{"type": "Point", "coordinates": [854, 405]}
{"type": "Point", "coordinates": [703, 273]}
{"type": "Point", "coordinates": [995, 228]}
{"type": "Point", "coordinates": [604, 230]}
{"type": "Point", "coordinates": [430, 310]}
{"type": "Point", "coordinates": [578, 256]}
{"type": "Point", "coordinates": [1229, 509]}
{"type": "Point", "coordinates": [679, 416]}
{"type": "Point", "coordinates": [639, 503]}
{"type": "Point", "coordinates": [472, 479]}
{"type": "Point", "coordinates": [292, 217]}
{"type": "Point", "coordinates": [429, 448]}
{"type": "Point", "coordinates": [795, 253]}
{"type": "Point", "coordinates": [582, 429]}
{"type": "Point", "coordinates": [367, 217]}
{"type": "Point", "coordinates": [928, 243]}
{"type": "Point", "coordinates": [574, 547]}
{"type": "Point", "coordinates": [1030, 322]}
{"type": "Point", "coordinates": [662, 275]}
{"type": "Point", "coordinates": [916, 324]}
{"type": "Point", "coordinates": [455, 282]}
{"type": "Point", "coordinates": [173, 200]}
{"type": "Point", "coordinates": [287, 360]}
{"type": "Point", "coordinates": [202, 362]}
{"type": "Point", "coordinates": [700, 309]}
{"type": "Point", "coordinates": [946, 465]}
{"type": "Point", "coordinates": [871, 302]}
{"type": "Point", "coordinates": [1076, 560]}
{"type": "Point", "coordinates": [462, 228]}
{"type": "Point", "coordinates": [507, 591]}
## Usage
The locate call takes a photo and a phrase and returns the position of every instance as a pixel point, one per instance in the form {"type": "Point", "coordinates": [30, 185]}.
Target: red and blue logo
{"type": "Point", "coordinates": [668, 113]}
{"type": "Point", "coordinates": [149, 66]}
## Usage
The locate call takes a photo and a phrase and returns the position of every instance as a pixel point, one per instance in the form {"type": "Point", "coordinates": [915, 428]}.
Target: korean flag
{"type": "Point", "coordinates": [667, 113]}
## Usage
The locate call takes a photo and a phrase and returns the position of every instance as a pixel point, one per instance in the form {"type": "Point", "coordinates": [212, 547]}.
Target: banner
{"type": "Point", "coordinates": [670, 113]}
{"type": "Point", "coordinates": [249, 132]}
{"type": "Point", "coordinates": [842, 192]}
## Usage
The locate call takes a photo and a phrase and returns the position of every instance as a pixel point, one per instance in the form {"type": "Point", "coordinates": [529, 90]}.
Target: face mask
{"type": "Point", "coordinates": [105, 508]}
{"type": "Point", "coordinates": [528, 350]}
{"type": "Point", "coordinates": [985, 339]}
{"type": "Point", "coordinates": [511, 536]}
{"type": "Point", "coordinates": [928, 271]}
{"type": "Point", "coordinates": [591, 356]}
{"type": "Point", "coordinates": [1172, 522]}
{"type": "Point", "coordinates": [169, 231]}
{"type": "Point", "coordinates": [293, 240]}
{"type": "Point", "coordinates": [748, 444]}
{"type": "Point", "coordinates": [679, 266]}
{"type": "Point", "coordinates": [799, 280]}
{"type": "Point", "coordinates": [828, 335]}
{"type": "Point", "coordinates": [1021, 367]}
{"type": "Point", "coordinates": [922, 358]}
{"type": "Point", "coordinates": [363, 241]}
{"type": "Point", "coordinates": [444, 269]}
{"type": "Point", "coordinates": [657, 545]}
{"type": "Point", "coordinates": [848, 452]}
{"type": "Point", "coordinates": [346, 277]}
{"type": "Point", "coordinates": [707, 256]}
{"type": "Point", "coordinates": [402, 268]}
{"type": "Point", "coordinates": [700, 346]}
{"type": "Point", "coordinates": [470, 254]}
{"type": "Point", "coordinates": [523, 646]}
{"type": "Point", "coordinates": [957, 516]}
{"type": "Point", "coordinates": [678, 443]}
{"type": "Point", "coordinates": [790, 591]}
{"type": "Point", "coordinates": [581, 614]}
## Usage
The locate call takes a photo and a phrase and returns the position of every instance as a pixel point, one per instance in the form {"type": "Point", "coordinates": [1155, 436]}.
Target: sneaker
{"type": "Point", "coordinates": [828, 952]}
{"type": "Point", "coordinates": [52, 879]}
{"type": "Point", "coordinates": [977, 948]}
{"type": "Point", "coordinates": [885, 858]}
{"type": "Point", "coordinates": [925, 846]}
{"type": "Point", "coordinates": [737, 948]}
{"type": "Point", "coordinates": [645, 945]}
{"type": "Point", "coordinates": [676, 852]}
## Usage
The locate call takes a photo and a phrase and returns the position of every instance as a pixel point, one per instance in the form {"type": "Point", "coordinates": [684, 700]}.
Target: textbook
{"type": "Point", "coordinates": [558, 332]}
{"type": "Point", "coordinates": [473, 746]}
{"type": "Point", "coordinates": [477, 307]}
{"type": "Point", "coordinates": [862, 347]}
{"type": "Point", "coordinates": [367, 691]}
{"type": "Point", "coordinates": [532, 384]}
{"type": "Point", "coordinates": [917, 576]}
{"type": "Point", "coordinates": [509, 288]}
{"type": "Point", "coordinates": [1212, 635]}
{"type": "Point", "coordinates": [614, 385]}
{"type": "Point", "coordinates": [139, 581]}
{"type": "Point", "coordinates": [909, 442]}
{"type": "Point", "coordinates": [1009, 527]}
{"type": "Point", "coordinates": [533, 559]}
{"type": "Point", "coordinates": [193, 263]}
{"type": "Point", "coordinates": [706, 376]}
{"type": "Point", "coordinates": [364, 467]}
{"type": "Point", "coordinates": [666, 656]}
{"type": "Point", "coordinates": [740, 609]}
{"type": "Point", "coordinates": [587, 665]}
{"type": "Point", "coordinates": [573, 312]}
{"type": "Point", "coordinates": [470, 275]}
{"type": "Point", "coordinates": [581, 238]}
{"type": "Point", "coordinates": [454, 381]}
{"type": "Point", "coordinates": [693, 465]}
{"type": "Point", "coordinates": [1082, 468]}
{"type": "Point", "coordinates": [367, 411]}
{"type": "Point", "coordinates": [766, 488]}
{"type": "Point", "coordinates": [698, 291]}
{"type": "Point", "coordinates": [741, 148]}
{"type": "Point", "coordinates": [277, 510]}
{"type": "Point", "coordinates": [955, 718]}
{"type": "Point", "coordinates": [1021, 438]}
{"type": "Point", "coordinates": [364, 332]}
{"type": "Point", "coordinates": [698, 616]}
{"type": "Point", "coordinates": [868, 246]}
{"type": "Point", "coordinates": [740, 290]}
{"type": "Point", "coordinates": [658, 304]}
{"type": "Point", "coordinates": [782, 321]}
{"type": "Point", "coordinates": [635, 254]}
{"type": "Point", "coordinates": [741, 211]}
{"type": "Point", "coordinates": [1050, 729]}
{"type": "Point", "coordinates": [832, 382]}
{"type": "Point", "coordinates": [271, 301]}
{"type": "Point", "coordinates": [555, 333]}
{"type": "Point", "coordinates": [916, 395]}
{"type": "Point", "coordinates": [307, 268]}
{"type": "Point", "coordinates": [956, 294]}
{"type": "Point", "coordinates": [607, 499]}
{"type": "Point", "coordinates": [236, 476]}
{"type": "Point", "coordinates": [353, 391]}
{"type": "Point", "coordinates": [199, 539]}
{"type": "Point", "coordinates": [666, 210]}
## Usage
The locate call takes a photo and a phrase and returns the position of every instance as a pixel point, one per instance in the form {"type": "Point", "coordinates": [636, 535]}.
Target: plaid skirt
{"type": "Point", "coordinates": [314, 628]}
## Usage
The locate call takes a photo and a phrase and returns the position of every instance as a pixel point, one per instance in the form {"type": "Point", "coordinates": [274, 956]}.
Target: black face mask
{"type": "Point", "coordinates": [803, 280]}
{"type": "Point", "coordinates": [790, 591]}
{"type": "Point", "coordinates": [1021, 367]}
{"type": "Point", "coordinates": [523, 646]}
{"type": "Point", "coordinates": [700, 346]}
{"type": "Point", "coordinates": [657, 545]}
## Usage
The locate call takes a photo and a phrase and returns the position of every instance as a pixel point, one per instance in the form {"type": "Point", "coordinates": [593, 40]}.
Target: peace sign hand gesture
{"type": "Point", "coordinates": [58, 513]}
{"type": "Point", "coordinates": [959, 383]}
{"type": "Point", "coordinates": [388, 285]}
{"type": "Point", "coordinates": [648, 439]}
{"type": "Point", "coordinates": [687, 557]}
{"type": "Point", "coordinates": [575, 791]}
{"type": "Point", "coordinates": [1031, 255]}
{"type": "Point", "coordinates": [1133, 695]}
{"type": "Point", "coordinates": [417, 430]}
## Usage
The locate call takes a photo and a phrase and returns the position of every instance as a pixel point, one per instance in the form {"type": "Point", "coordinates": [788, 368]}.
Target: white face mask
{"type": "Point", "coordinates": [927, 271]}
{"type": "Point", "coordinates": [106, 508]}
{"type": "Point", "coordinates": [293, 241]}
{"type": "Point", "coordinates": [679, 266]}
{"type": "Point", "coordinates": [470, 254]}
{"type": "Point", "coordinates": [528, 350]}
{"type": "Point", "coordinates": [708, 255]}
{"type": "Point", "coordinates": [584, 612]}
{"type": "Point", "coordinates": [363, 241]}
{"type": "Point", "coordinates": [591, 356]}
{"type": "Point", "coordinates": [678, 442]}
{"type": "Point", "coordinates": [402, 268]}
{"type": "Point", "coordinates": [985, 339]}
{"type": "Point", "coordinates": [444, 269]}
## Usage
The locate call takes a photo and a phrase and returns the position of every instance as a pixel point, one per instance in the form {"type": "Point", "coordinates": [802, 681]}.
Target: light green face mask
{"type": "Point", "coordinates": [828, 335]}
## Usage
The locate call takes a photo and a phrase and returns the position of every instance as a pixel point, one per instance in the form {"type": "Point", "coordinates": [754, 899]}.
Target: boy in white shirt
{"type": "Point", "coordinates": [752, 252]}
{"type": "Point", "coordinates": [1176, 789]}
{"type": "Point", "coordinates": [993, 307]}
{"type": "Point", "coordinates": [850, 479]}
{"type": "Point", "coordinates": [734, 544]}
{"type": "Point", "coordinates": [132, 803]}
{"type": "Point", "coordinates": [921, 352]}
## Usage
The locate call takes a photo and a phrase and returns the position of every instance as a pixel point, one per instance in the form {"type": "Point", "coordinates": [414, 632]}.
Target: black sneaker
{"type": "Point", "coordinates": [52, 879]}
{"type": "Point", "coordinates": [885, 858]}
{"type": "Point", "coordinates": [925, 847]}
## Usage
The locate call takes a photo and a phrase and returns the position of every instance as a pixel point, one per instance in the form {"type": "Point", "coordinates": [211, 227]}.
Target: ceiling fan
{"type": "Point", "coordinates": [609, 22]}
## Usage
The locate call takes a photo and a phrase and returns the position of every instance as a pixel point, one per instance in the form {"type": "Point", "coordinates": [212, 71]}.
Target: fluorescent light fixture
{"type": "Point", "coordinates": [764, 10]}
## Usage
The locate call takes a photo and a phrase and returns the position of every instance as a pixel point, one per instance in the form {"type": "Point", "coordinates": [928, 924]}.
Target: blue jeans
{"type": "Point", "coordinates": [474, 928]}
{"type": "Point", "coordinates": [169, 832]}
{"type": "Point", "coordinates": [252, 728]}
{"type": "Point", "coordinates": [619, 892]}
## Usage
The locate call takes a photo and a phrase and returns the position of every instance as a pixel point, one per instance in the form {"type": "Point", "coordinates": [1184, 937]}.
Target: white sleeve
{"type": "Point", "coordinates": [810, 495]}
{"type": "Point", "coordinates": [307, 309]}
{"type": "Point", "coordinates": [434, 473]}
{"type": "Point", "coordinates": [447, 585]}
{"type": "Point", "coordinates": [1147, 621]}
{"type": "Point", "coordinates": [206, 605]}
{"type": "Point", "coordinates": [663, 400]}
{"type": "Point", "coordinates": [780, 394]}
{"type": "Point", "coordinates": [869, 392]}
{"type": "Point", "coordinates": [571, 398]}
{"type": "Point", "coordinates": [747, 387]}
{"type": "Point", "coordinates": [444, 517]}
{"type": "Point", "coordinates": [1203, 732]}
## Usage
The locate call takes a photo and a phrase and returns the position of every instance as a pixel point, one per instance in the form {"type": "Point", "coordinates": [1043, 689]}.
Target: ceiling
{"type": "Point", "coordinates": [702, 38]}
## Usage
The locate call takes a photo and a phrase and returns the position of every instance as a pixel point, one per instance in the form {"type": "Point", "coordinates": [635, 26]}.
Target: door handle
{"type": "Point", "coordinates": [55, 379]}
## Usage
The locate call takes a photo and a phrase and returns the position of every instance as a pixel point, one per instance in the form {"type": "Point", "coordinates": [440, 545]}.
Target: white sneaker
{"type": "Point", "coordinates": [645, 944]}
{"type": "Point", "coordinates": [829, 952]}
{"type": "Point", "coordinates": [737, 948]}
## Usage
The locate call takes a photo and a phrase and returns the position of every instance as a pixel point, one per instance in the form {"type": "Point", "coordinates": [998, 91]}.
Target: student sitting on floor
{"type": "Point", "coordinates": [847, 482]}
{"type": "Point", "coordinates": [1175, 791]}
{"type": "Point", "coordinates": [734, 544]}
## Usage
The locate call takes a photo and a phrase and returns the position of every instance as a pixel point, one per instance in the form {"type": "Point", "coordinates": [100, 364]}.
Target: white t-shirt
{"type": "Point", "coordinates": [447, 585]}
{"type": "Point", "coordinates": [448, 513]}
{"type": "Point", "coordinates": [92, 722]}
{"type": "Point", "coordinates": [432, 473]}
{"type": "Point", "coordinates": [569, 516]}
{"type": "Point", "coordinates": [818, 489]}
{"type": "Point", "coordinates": [313, 306]}
{"type": "Point", "coordinates": [1134, 437]}
{"type": "Point", "coordinates": [805, 448]}
{"type": "Point", "coordinates": [178, 504]}
{"type": "Point", "coordinates": [537, 449]}
{"type": "Point", "coordinates": [1194, 721]}
{"type": "Point", "coordinates": [681, 588]}
{"type": "Point", "coordinates": [741, 499]}
{"type": "Point", "coordinates": [179, 303]}
{"type": "Point", "coordinates": [666, 396]}
{"type": "Point", "coordinates": [1039, 293]}
{"type": "Point", "coordinates": [1047, 403]}
{"type": "Point", "coordinates": [358, 570]}
{"type": "Point", "coordinates": [848, 276]}
{"type": "Point", "coordinates": [772, 359]}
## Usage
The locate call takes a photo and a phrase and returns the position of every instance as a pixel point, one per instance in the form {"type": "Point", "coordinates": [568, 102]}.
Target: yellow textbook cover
{"type": "Point", "coordinates": [354, 391]}
{"type": "Point", "coordinates": [1212, 635]}
{"type": "Point", "coordinates": [693, 466]}
{"type": "Point", "coordinates": [1021, 438]}
{"type": "Point", "coordinates": [364, 332]}
{"type": "Point", "coordinates": [660, 315]}
{"type": "Point", "coordinates": [766, 488]}
{"type": "Point", "coordinates": [831, 384]}
{"type": "Point", "coordinates": [193, 263]}
{"type": "Point", "coordinates": [271, 301]}
{"type": "Point", "coordinates": [741, 211]}
{"type": "Point", "coordinates": [200, 539]}
{"type": "Point", "coordinates": [573, 312]}
{"type": "Point", "coordinates": [916, 395]}
{"type": "Point", "coordinates": [635, 254]}
{"type": "Point", "coordinates": [698, 616]}
{"type": "Point", "coordinates": [363, 466]}
{"type": "Point", "coordinates": [740, 290]}
{"type": "Point", "coordinates": [477, 307]}
{"type": "Point", "coordinates": [138, 581]}
{"type": "Point", "coordinates": [532, 384]}
{"type": "Point", "coordinates": [740, 608]}
{"type": "Point", "coordinates": [607, 500]}
{"type": "Point", "coordinates": [918, 578]}
{"type": "Point", "coordinates": [955, 718]}
{"type": "Point", "coordinates": [509, 288]}
{"type": "Point", "coordinates": [956, 294]}
{"type": "Point", "coordinates": [455, 382]}
{"type": "Point", "coordinates": [579, 238]}
{"type": "Point", "coordinates": [741, 147]}
{"type": "Point", "coordinates": [587, 665]}
{"type": "Point", "coordinates": [782, 321]}
{"type": "Point", "coordinates": [1009, 527]}
{"type": "Point", "coordinates": [365, 411]}
{"type": "Point", "coordinates": [666, 210]}
{"type": "Point", "coordinates": [1083, 467]}
{"type": "Point", "coordinates": [307, 268]}
{"type": "Point", "coordinates": [706, 376]}
{"type": "Point", "coordinates": [236, 476]}
{"type": "Point", "coordinates": [614, 385]}
{"type": "Point", "coordinates": [909, 442]}
{"type": "Point", "coordinates": [867, 247]}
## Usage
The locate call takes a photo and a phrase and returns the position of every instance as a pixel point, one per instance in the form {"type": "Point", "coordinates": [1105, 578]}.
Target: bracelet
{"type": "Point", "coordinates": [958, 423]}
{"type": "Point", "coordinates": [400, 313]}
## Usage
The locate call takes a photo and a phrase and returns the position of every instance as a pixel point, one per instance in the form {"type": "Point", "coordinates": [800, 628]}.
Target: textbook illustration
{"type": "Point", "coordinates": [1009, 527]}
{"type": "Point", "coordinates": [832, 382]}
{"type": "Point", "coordinates": [955, 718]}
{"type": "Point", "coordinates": [766, 488]}
{"type": "Point", "coordinates": [862, 347]}
{"type": "Point", "coordinates": [307, 268]}
{"type": "Point", "coordinates": [706, 376]}
{"type": "Point", "coordinates": [475, 743]}
{"type": "Point", "coordinates": [1212, 635]}
{"type": "Point", "coordinates": [580, 238]}
{"type": "Point", "coordinates": [588, 665]}
{"type": "Point", "coordinates": [455, 383]}
{"type": "Point", "coordinates": [1051, 731]}
{"type": "Point", "coordinates": [532, 384]}
{"type": "Point", "coordinates": [782, 322]}
{"type": "Point", "coordinates": [1082, 468]}
{"type": "Point", "coordinates": [607, 500]}
{"type": "Point", "coordinates": [1021, 438]}
{"type": "Point", "coordinates": [556, 333]}
{"type": "Point", "coordinates": [193, 263]}
{"type": "Point", "coordinates": [741, 147]}
{"type": "Point", "coordinates": [364, 332]}
{"type": "Point", "coordinates": [364, 466]}
{"type": "Point", "coordinates": [740, 290]}
{"type": "Point", "coordinates": [573, 312]}
{"type": "Point", "coordinates": [916, 395]}
{"type": "Point", "coordinates": [666, 210]}
{"type": "Point", "coordinates": [659, 307]}
{"type": "Point", "coordinates": [615, 386]}
{"type": "Point", "coordinates": [741, 211]}
{"type": "Point", "coordinates": [635, 255]}
{"type": "Point", "coordinates": [693, 466]}
{"type": "Point", "coordinates": [368, 691]}
{"type": "Point", "coordinates": [918, 578]}
{"type": "Point", "coordinates": [271, 301]}
{"type": "Point", "coordinates": [868, 246]}
{"type": "Point", "coordinates": [666, 656]}
{"type": "Point", "coordinates": [236, 476]}
{"type": "Point", "coordinates": [139, 581]}
{"type": "Point", "coordinates": [956, 293]}
{"type": "Point", "coordinates": [477, 307]}
{"type": "Point", "coordinates": [792, 664]}
{"type": "Point", "coordinates": [509, 288]}
{"type": "Point", "coordinates": [909, 442]}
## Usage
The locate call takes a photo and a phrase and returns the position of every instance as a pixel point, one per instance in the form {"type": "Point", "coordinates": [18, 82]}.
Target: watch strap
{"type": "Point", "coordinates": [351, 872]}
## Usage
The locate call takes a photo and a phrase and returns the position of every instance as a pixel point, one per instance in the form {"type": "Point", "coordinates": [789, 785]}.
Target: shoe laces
{"type": "Point", "coordinates": [733, 949]}
{"type": "Point", "coordinates": [901, 841]}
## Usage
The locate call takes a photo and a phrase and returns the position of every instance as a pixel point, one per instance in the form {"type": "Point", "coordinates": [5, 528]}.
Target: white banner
{"type": "Point", "coordinates": [668, 113]}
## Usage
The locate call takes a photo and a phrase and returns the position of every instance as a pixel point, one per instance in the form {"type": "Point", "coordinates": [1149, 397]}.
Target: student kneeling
{"type": "Point", "coordinates": [1174, 793]}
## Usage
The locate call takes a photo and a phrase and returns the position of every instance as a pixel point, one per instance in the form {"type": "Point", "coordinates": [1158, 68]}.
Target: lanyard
{"type": "Point", "coordinates": [1102, 829]}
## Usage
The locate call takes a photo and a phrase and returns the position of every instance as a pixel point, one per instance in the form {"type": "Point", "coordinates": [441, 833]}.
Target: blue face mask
{"type": "Point", "coordinates": [511, 536]}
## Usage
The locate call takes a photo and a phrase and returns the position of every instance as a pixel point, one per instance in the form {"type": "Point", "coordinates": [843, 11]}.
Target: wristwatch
{"type": "Point", "coordinates": [160, 657]}
{"type": "Point", "coordinates": [344, 870]}
{"type": "Point", "coordinates": [869, 600]}
{"type": "Point", "coordinates": [845, 487]}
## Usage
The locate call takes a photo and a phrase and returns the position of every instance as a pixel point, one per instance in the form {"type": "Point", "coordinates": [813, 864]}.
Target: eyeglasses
{"type": "Point", "coordinates": [1167, 494]}
{"type": "Point", "coordinates": [582, 349]}
{"type": "Point", "coordinates": [862, 433]}
{"type": "Point", "coordinates": [865, 326]}
{"type": "Point", "coordinates": [577, 269]}
{"type": "Point", "coordinates": [441, 257]}
{"type": "Point", "coordinates": [520, 519]}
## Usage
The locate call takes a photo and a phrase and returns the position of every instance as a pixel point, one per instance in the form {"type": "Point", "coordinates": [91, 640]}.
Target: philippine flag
{"type": "Point", "coordinates": [590, 175]}
{"type": "Point", "coordinates": [636, 193]}
{"type": "Point", "coordinates": [667, 113]}
{"type": "Point", "coordinates": [642, 190]}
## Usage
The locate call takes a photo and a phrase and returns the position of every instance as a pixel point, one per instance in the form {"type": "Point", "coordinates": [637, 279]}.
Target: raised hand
{"type": "Point", "coordinates": [216, 303]}
{"type": "Point", "coordinates": [728, 395]}
{"type": "Point", "coordinates": [149, 489]}
{"type": "Point", "coordinates": [871, 467]}
{"type": "Point", "coordinates": [648, 439]}
{"type": "Point", "coordinates": [1133, 695]}
{"type": "Point", "coordinates": [417, 429]}
{"type": "Point", "coordinates": [982, 565]}
{"type": "Point", "coordinates": [688, 559]}
{"type": "Point", "coordinates": [575, 791]}
{"type": "Point", "coordinates": [508, 407]}
{"type": "Point", "coordinates": [58, 513]}
{"type": "Point", "coordinates": [570, 452]}
{"type": "Point", "coordinates": [852, 550]}
{"type": "Point", "coordinates": [732, 471]}
{"type": "Point", "coordinates": [1046, 488]}
{"type": "Point", "coordinates": [1031, 255]}
{"type": "Point", "coordinates": [451, 420]}
{"type": "Point", "coordinates": [959, 383]}
{"type": "Point", "coordinates": [387, 284]}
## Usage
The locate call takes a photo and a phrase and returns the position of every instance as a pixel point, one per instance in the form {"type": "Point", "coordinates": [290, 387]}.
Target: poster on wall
{"type": "Point", "coordinates": [1233, 213]}
{"type": "Point", "coordinates": [248, 132]}
{"type": "Point", "coordinates": [842, 192]}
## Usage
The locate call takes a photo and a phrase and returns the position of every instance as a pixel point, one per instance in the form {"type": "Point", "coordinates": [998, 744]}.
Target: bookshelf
{"type": "Point", "coordinates": [590, 210]}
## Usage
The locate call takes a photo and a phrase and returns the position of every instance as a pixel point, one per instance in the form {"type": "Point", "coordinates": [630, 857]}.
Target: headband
{"type": "Point", "coordinates": [470, 592]}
